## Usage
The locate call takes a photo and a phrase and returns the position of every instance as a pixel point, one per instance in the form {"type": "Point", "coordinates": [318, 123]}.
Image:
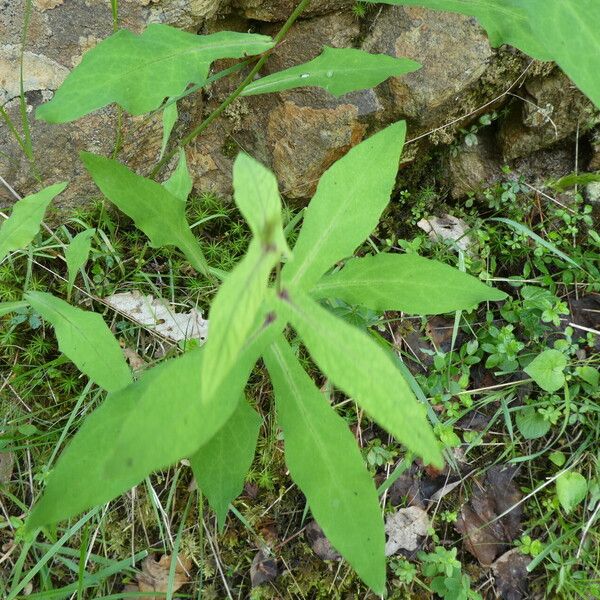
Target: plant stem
{"type": "Point", "coordinates": [235, 94]}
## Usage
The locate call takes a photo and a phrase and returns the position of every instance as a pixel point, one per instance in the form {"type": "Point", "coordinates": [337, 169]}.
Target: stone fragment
{"type": "Point", "coordinates": [307, 141]}
{"type": "Point", "coordinates": [39, 72]}
{"type": "Point", "coordinates": [453, 50]}
{"type": "Point", "coordinates": [472, 169]}
{"type": "Point", "coordinates": [547, 110]}
{"type": "Point", "coordinates": [271, 10]}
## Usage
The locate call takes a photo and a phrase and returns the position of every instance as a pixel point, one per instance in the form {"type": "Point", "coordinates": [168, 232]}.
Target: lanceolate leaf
{"type": "Point", "coordinates": [77, 253]}
{"type": "Point", "coordinates": [145, 426]}
{"type": "Point", "coordinates": [159, 214]}
{"type": "Point", "coordinates": [362, 369]}
{"type": "Point", "coordinates": [405, 282]}
{"type": "Point", "coordinates": [541, 28]}
{"type": "Point", "coordinates": [8, 307]}
{"type": "Point", "coordinates": [169, 118]}
{"type": "Point", "coordinates": [139, 71]}
{"type": "Point", "coordinates": [554, 22]}
{"type": "Point", "coordinates": [180, 183]}
{"type": "Point", "coordinates": [221, 465]}
{"type": "Point", "coordinates": [237, 305]}
{"type": "Point", "coordinates": [337, 70]}
{"type": "Point", "coordinates": [148, 425]}
{"type": "Point", "coordinates": [85, 339]}
{"type": "Point", "coordinates": [26, 218]}
{"type": "Point", "coordinates": [346, 208]}
{"type": "Point", "coordinates": [536, 238]}
{"type": "Point", "coordinates": [325, 462]}
{"type": "Point", "coordinates": [505, 21]}
{"type": "Point", "coordinates": [257, 197]}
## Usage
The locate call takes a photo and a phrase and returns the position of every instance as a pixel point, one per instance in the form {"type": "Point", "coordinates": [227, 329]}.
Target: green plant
{"type": "Point", "coordinates": [194, 403]}
{"type": "Point", "coordinates": [534, 26]}
{"type": "Point", "coordinates": [447, 578]}
{"type": "Point", "coordinates": [247, 318]}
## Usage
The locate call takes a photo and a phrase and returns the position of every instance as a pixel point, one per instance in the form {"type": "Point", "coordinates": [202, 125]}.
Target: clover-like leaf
{"type": "Point", "coordinates": [547, 369]}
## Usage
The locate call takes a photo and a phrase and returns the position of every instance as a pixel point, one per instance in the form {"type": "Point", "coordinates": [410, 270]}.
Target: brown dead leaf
{"type": "Point", "coordinates": [407, 488]}
{"type": "Point", "coordinates": [319, 543]}
{"type": "Point", "coordinates": [7, 464]}
{"type": "Point", "coordinates": [486, 535]}
{"type": "Point", "coordinates": [136, 362]}
{"type": "Point", "coordinates": [510, 571]}
{"type": "Point", "coordinates": [404, 528]}
{"type": "Point", "coordinates": [263, 568]}
{"type": "Point", "coordinates": [155, 575]}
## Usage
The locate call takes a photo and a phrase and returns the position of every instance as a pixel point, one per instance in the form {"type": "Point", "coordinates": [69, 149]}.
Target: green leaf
{"type": "Point", "coordinates": [25, 220]}
{"type": "Point", "coordinates": [571, 489]}
{"type": "Point", "coordinates": [362, 369]}
{"type": "Point", "coordinates": [257, 196]}
{"type": "Point", "coordinates": [547, 368]}
{"type": "Point", "coordinates": [590, 375]}
{"type": "Point", "coordinates": [8, 307]}
{"type": "Point", "coordinates": [238, 303]}
{"type": "Point", "coordinates": [536, 238]}
{"type": "Point", "coordinates": [347, 206]}
{"type": "Point", "coordinates": [180, 183]}
{"type": "Point", "coordinates": [531, 424]}
{"type": "Point", "coordinates": [169, 118]}
{"type": "Point", "coordinates": [139, 71]}
{"type": "Point", "coordinates": [150, 424]}
{"type": "Point", "coordinates": [325, 462]}
{"type": "Point", "coordinates": [506, 21]}
{"type": "Point", "coordinates": [554, 22]}
{"type": "Point", "coordinates": [541, 28]}
{"type": "Point", "coordinates": [573, 179]}
{"type": "Point", "coordinates": [77, 253]}
{"type": "Point", "coordinates": [405, 282]}
{"type": "Point", "coordinates": [154, 210]}
{"type": "Point", "coordinates": [220, 466]}
{"type": "Point", "coordinates": [337, 70]}
{"type": "Point", "coordinates": [85, 339]}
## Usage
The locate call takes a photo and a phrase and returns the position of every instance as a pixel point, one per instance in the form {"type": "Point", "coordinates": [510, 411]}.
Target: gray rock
{"type": "Point", "coordinates": [453, 50]}
{"type": "Point", "coordinates": [472, 169]}
{"type": "Point", "coordinates": [549, 110]}
{"type": "Point", "coordinates": [279, 10]}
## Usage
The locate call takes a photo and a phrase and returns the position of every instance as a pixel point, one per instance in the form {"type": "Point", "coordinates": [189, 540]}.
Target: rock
{"type": "Point", "coordinates": [298, 133]}
{"type": "Point", "coordinates": [551, 109]}
{"type": "Point", "coordinates": [58, 35]}
{"type": "Point", "coordinates": [472, 169]}
{"type": "Point", "coordinates": [453, 50]}
{"type": "Point", "coordinates": [510, 572]}
{"type": "Point", "coordinates": [271, 10]}
{"type": "Point", "coordinates": [40, 72]}
{"type": "Point", "coordinates": [543, 166]}
{"type": "Point", "coordinates": [307, 141]}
